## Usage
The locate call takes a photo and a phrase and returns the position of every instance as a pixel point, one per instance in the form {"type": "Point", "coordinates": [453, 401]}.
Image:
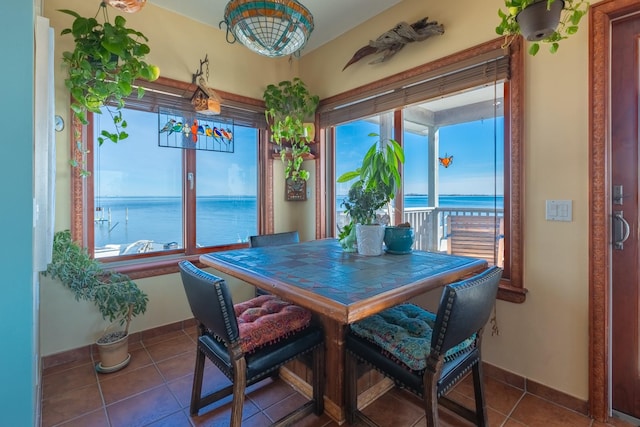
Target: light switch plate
{"type": "Point", "coordinates": [559, 210]}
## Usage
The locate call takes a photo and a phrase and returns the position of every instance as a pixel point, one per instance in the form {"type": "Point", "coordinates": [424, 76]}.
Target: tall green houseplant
{"type": "Point", "coordinates": [289, 105]}
{"type": "Point", "coordinates": [377, 181]}
{"type": "Point", "coordinates": [102, 68]}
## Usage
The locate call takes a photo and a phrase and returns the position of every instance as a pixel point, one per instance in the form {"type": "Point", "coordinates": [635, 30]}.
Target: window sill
{"type": "Point", "coordinates": [141, 268]}
{"type": "Point", "coordinates": [507, 292]}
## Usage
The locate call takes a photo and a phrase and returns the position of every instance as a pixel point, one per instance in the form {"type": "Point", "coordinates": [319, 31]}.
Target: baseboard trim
{"type": "Point", "coordinates": [537, 389]}
{"type": "Point", "coordinates": [85, 353]}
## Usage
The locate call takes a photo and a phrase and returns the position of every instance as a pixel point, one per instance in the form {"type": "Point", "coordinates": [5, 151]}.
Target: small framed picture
{"type": "Point", "coordinates": [295, 191]}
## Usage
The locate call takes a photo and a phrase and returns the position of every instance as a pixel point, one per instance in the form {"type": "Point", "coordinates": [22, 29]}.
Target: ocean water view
{"type": "Point", "coordinates": [221, 219]}
{"type": "Point", "coordinates": [455, 201]}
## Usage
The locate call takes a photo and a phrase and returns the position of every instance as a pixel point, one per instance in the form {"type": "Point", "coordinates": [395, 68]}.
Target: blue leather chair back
{"type": "Point", "coordinates": [464, 309]}
{"type": "Point", "coordinates": [276, 239]}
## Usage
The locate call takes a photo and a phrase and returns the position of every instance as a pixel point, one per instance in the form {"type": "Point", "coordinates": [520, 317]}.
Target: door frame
{"type": "Point", "coordinates": [600, 18]}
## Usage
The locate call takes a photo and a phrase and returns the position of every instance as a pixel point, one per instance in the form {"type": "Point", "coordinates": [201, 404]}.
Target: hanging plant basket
{"type": "Point", "coordinates": [546, 21]}
{"type": "Point", "coordinates": [538, 22]}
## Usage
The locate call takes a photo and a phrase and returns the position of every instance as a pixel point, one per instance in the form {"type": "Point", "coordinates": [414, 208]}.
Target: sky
{"type": "Point", "coordinates": [138, 166]}
{"type": "Point", "coordinates": [475, 161]}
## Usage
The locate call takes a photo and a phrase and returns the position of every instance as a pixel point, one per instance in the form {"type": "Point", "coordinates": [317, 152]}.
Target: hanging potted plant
{"type": "Point", "coordinates": [290, 111]}
{"type": "Point", "coordinates": [547, 21]}
{"type": "Point", "coordinates": [117, 297]}
{"type": "Point", "coordinates": [103, 66]}
{"type": "Point", "coordinates": [378, 180]}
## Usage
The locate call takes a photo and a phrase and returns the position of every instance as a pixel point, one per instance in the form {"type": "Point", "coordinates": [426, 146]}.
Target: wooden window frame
{"type": "Point", "coordinates": [511, 286]}
{"type": "Point", "coordinates": [165, 262]}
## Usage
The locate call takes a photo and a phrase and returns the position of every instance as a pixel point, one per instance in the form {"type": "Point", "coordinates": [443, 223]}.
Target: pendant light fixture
{"type": "Point", "coordinates": [269, 27]}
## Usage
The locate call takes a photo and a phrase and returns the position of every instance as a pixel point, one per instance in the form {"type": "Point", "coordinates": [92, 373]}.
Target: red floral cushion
{"type": "Point", "coordinates": [267, 319]}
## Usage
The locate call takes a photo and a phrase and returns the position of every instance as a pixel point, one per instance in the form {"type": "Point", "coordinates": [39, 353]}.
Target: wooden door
{"type": "Point", "coordinates": [625, 74]}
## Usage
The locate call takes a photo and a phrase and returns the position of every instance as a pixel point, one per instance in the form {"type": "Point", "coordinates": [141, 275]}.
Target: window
{"type": "Point", "coordinates": [435, 109]}
{"type": "Point", "coordinates": [454, 173]}
{"type": "Point", "coordinates": [145, 201]}
{"type": "Point", "coordinates": [138, 191]}
{"type": "Point", "coordinates": [351, 145]}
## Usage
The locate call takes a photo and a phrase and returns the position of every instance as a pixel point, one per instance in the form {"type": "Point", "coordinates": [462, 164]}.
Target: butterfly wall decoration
{"type": "Point", "coordinates": [446, 161]}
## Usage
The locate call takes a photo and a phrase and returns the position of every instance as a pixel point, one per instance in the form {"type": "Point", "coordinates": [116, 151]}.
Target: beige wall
{"type": "Point", "coordinates": [65, 323]}
{"type": "Point", "coordinates": [544, 339]}
{"type": "Point", "coordinates": [289, 216]}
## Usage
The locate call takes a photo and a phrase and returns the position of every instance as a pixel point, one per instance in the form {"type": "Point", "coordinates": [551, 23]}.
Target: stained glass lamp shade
{"type": "Point", "coordinates": [269, 27]}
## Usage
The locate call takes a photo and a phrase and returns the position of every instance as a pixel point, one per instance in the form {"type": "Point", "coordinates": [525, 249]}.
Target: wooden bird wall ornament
{"type": "Point", "coordinates": [392, 41]}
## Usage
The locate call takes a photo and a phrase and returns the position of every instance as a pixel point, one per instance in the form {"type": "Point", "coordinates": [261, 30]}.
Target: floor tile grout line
{"type": "Point", "coordinates": [104, 403]}
{"type": "Point", "coordinates": [515, 405]}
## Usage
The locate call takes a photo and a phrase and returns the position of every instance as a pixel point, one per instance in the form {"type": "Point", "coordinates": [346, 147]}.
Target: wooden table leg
{"type": "Point", "coordinates": [334, 402]}
{"type": "Point", "coordinates": [371, 383]}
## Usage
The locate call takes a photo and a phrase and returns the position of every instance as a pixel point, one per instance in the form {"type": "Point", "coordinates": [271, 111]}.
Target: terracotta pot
{"type": "Point", "coordinates": [114, 355]}
{"type": "Point", "coordinates": [536, 22]}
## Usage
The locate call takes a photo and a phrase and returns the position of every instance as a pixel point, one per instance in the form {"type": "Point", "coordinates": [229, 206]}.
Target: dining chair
{"type": "Point", "coordinates": [427, 353]}
{"type": "Point", "coordinates": [276, 239]}
{"type": "Point", "coordinates": [248, 342]}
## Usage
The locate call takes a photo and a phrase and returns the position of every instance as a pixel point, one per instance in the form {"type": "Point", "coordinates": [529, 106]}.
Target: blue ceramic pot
{"type": "Point", "coordinates": [398, 240]}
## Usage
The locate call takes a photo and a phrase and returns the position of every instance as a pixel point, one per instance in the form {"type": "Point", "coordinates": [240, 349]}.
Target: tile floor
{"type": "Point", "coordinates": [154, 390]}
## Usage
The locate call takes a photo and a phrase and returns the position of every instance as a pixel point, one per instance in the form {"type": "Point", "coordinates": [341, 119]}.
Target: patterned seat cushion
{"type": "Point", "coordinates": [267, 319]}
{"type": "Point", "coordinates": [404, 332]}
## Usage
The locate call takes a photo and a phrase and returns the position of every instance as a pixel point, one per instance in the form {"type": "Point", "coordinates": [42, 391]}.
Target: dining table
{"type": "Point", "coordinates": [340, 288]}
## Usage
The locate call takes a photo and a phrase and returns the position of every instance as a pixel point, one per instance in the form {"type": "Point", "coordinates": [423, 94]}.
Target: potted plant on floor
{"type": "Point", "coordinates": [117, 297]}
{"type": "Point", "coordinates": [547, 21]}
{"type": "Point", "coordinates": [103, 66]}
{"type": "Point", "coordinates": [290, 111]}
{"type": "Point", "coordinates": [378, 179]}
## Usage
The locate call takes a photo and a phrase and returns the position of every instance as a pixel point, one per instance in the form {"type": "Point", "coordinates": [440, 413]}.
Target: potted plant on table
{"type": "Point", "coordinates": [290, 111]}
{"type": "Point", "coordinates": [117, 297]}
{"type": "Point", "coordinates": [399, 239]}
{"type": "Point", "coordinates": [378, 179]}
{"type": "Point", "coordinates": [102, 68]}
{"type": "Point", "coordinates": [547, 21]}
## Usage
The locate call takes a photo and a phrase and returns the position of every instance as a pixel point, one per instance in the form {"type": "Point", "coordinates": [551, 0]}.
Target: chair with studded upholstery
{"type": "Point", "coordinates": [249, 341]}
{"type": "Point", "coordinates": [275, 239]}
{"type": "Point", "coordinates": [427, 353]}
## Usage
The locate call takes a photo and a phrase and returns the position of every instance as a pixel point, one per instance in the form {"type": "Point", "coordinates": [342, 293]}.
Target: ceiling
{"type": "Point", "coordinates": [331, 17]}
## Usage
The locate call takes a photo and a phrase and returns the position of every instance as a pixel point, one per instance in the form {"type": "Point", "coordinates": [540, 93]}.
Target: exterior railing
{"type": "Point", "coordinates": [430, 224]}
